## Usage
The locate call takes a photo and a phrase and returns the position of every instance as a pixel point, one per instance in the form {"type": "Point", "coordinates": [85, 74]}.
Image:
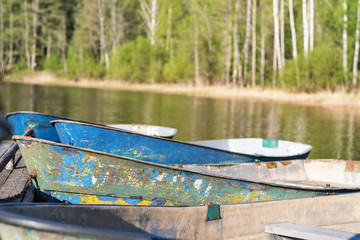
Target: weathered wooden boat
{"type": "Point", "coordinates": [40, 123]}
{"type": "Point", "coordinates": [265, 148]}
{"type": "Point", "coordinates": [148, 148]}
{"type": "Point", "coordinates": [151, 130]}
{"type": "Point", "coordinates": [61, 221]}
{"type": "Point", "coordinates": [79, 175]}
{"type": "Point", "coordinates": [237, 221]}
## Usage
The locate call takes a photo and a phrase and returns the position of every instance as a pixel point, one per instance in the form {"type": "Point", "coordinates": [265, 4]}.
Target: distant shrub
{"type": "Point", "coordinates": [322, 69]}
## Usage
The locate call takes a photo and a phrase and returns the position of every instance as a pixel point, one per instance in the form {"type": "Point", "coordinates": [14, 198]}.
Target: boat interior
{"type": "Point", "coordinates": [324, 174]}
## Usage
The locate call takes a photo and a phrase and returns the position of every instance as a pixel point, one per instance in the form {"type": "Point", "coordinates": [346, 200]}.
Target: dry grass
{"type": "Point", "coordinates": [326, 98]}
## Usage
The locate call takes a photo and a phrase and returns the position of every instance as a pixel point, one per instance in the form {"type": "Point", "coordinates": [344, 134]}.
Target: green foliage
{"type": "Point", "coordinates": [322, 69]}
{"type": "Point", "coordinates": [132, 61]}
{"type": "Point", "coordinates": [53, 63]}
{"type": "Point", "coordinates": [123, 35]}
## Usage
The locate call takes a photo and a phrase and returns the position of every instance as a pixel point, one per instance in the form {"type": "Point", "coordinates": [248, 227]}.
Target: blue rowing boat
{"type": "Point", "coordinates": [149, 148]}
{"type": "Point", "coordinates": [40, 123]}
{"type": "Point", "coordinates": [83, 176]}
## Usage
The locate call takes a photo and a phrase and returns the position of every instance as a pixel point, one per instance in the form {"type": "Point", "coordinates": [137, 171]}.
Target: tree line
{"type": "Point", "coordinates": [302, 45]}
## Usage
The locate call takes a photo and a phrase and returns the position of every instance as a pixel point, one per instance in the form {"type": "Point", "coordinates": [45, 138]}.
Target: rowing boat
{"type": "Point", "coordinates": [149, 148]}
{"type": "Point", "coordinates": [54, 221]}
{"type": "Point", "coordinates": [238, 221]}
{"type": "Point", "coordinates": [85, 176]}
{"type": "Point", "coordinates": [264, 148]}
{"type": "Point", "coordinates": [40, 123]}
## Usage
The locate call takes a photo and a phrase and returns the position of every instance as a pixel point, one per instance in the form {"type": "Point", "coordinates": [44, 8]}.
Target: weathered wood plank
{"type": "Point", "coordinates": [302, 231]}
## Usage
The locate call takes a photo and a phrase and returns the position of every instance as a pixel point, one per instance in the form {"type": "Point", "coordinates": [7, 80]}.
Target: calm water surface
{"type": "Point", "coordinates": [334, 133]}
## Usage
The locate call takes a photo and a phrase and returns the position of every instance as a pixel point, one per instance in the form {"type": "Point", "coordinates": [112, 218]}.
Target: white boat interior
{"type": "Point", "coordinates": [150, 130]}
{"type": "Point", "coordinates": [319, 174]}
{"type": "Point", "coordinates": [258, 146]}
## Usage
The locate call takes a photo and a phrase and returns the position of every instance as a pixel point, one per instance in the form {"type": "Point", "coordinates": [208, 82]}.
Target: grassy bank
{"type": "Point", "coordinates": [339, 98]}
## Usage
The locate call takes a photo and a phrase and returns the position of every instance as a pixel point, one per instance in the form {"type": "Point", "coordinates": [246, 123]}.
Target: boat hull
{"type": "Point", "coordinates": [240, 221]}
{"type": "Point", "coordinates": [78, 175]}
{"type": "Point", "coordinates": [142, 147]}
{"type": "Point", "coordinates": [40, 123]}
{"type": "Point", "coordinates": [266, 148]}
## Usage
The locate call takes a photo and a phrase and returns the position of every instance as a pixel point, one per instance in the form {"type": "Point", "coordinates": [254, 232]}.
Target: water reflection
{"type": "Point", "coordinates": [332, 132]}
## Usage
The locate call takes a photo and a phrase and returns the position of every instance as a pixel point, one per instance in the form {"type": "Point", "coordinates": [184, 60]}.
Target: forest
{"type": "Point", "coordinates": [302, 45]}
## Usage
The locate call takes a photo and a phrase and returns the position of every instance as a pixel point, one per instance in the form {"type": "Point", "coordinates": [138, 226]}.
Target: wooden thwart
{"type": "Point", "coordinates": [302, 231]}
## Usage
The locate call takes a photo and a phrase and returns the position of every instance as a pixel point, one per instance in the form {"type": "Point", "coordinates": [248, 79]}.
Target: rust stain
{"type": "Point", "coordinates": [352, 166]}
{"type": "Point", "coordinates": [285, 163]}
{"type": "Point", "coordinates": [271, 165]}
{"type": "Point", "coordinates": [180, 166]}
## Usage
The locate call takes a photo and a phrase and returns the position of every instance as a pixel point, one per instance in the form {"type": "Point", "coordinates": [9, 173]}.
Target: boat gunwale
{"type": "Point", "coordinates": [325, 190]}
{"type": "Point", "coordinates": [52, 226]}
{"type": "Point", "coordinates": [80, 121]}
{"type": "Point", "coordinates": [270, 158]}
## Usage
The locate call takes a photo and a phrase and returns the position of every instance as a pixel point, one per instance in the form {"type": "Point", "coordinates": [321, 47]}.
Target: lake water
{"type": "Point", "coordinates": [334, 133]}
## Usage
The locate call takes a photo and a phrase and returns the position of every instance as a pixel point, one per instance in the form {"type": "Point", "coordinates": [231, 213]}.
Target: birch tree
{"type": "Point", "coordinates": [11, 40]}
{"type": "Point", "coordinates": [311, 25]}
{"type": "Point", "coordinates": [227, 37]}
{"type": "Point", "coordinates": [282, 32]}
{"type": "Point", "coordinates": [103, 49]}
{"type": "Point", "coordinates": [149, 15]}
{"type": "Point", "coordinates": [344, 36]}
{"type": "Point", "coordinates": [305, 28]}
{"type": "Point", "coordinates": [277, 54]}
{"type": "Point", "coordinates": [293, 38]}
{"type": "Point", "coordinates": [356, 52]}
{"type": "Point", "coordinates": [237, 73]}
{"type": "Point", "coordinates": [253, 63]}
{"type": "Point", "coordinates": [35, 7]}
{"type": "Point", "coordinates": [247, 36]}
{"type": "Point", "coordinates": [26, 34]}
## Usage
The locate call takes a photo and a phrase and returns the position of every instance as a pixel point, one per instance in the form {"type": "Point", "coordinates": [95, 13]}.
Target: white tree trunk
{"type": "Point", "coordinates": [293, 31]}
{"type": "Point", "coordinates": [149, 16]}
{"type": "Point", "coordinates": [227, 38]}
{"type": "Point", "coordinates": [196, 55]}
{"type": "Point", "coordinates": [103, 52]}
{"type": "Point", "coordinates": [236, 44]}
{"type": "Point", "coordinates": [48, 46]}
{"type": "Point", "coordinates": [35, 6]}
{"type": "Point", "coordinates": [311, 3]}
{"type": "Point", "coordinates": [305, 28]}
{"type": "Point", "coordinates": [344, 35]}
{"type": "Point", "coordinates": [26, 35]}
{"type": "Point", "coordinates": [11, 42]}
{"type": "Point", "coordinates": [113, 26]}
{"type": "Point", "coordinates": [253, 60]}
{"type": "Point", "coordinates": [153, 21]}
{"type": "Point", "coordinates": [293, 37]}
{"type": "Point", "coordinates": [282, 33]}
{"type": "Point", "coordinates": [262, 60]}
{"type": "Point", "coordinates": [247, 36]}
{"type": "Point", "coordinates": [356, 52]}
{"type": "Point", "coordinates": [169, 41]}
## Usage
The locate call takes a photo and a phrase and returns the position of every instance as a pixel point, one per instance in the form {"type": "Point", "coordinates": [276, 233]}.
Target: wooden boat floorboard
{"type": "Point", "coordinates": [12, 181]}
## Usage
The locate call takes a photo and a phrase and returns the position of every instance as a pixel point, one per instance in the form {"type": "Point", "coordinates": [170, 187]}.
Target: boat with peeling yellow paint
{"type": "Point", "coordinates": [78, 175]}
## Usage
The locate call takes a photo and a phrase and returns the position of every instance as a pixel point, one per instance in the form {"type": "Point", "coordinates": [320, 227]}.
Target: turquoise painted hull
{"type": "Point", "coordinates": [40, 123]}
{"type": "Point", "coordinates": [84, 176]}
{"type": "Point", "coordinates": [147, 148]}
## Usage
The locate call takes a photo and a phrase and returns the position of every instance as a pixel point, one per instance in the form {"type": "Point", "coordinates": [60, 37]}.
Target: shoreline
{"type": "Point", "coordinates": [339, 98]}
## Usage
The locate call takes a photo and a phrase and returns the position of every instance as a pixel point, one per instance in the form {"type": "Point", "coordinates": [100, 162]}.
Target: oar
{"type": "Point", "coordinates": [10, 152]}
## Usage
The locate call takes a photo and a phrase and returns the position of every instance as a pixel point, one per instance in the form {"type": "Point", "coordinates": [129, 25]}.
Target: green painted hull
{"type": "Point", "coordinates": [84, 176]}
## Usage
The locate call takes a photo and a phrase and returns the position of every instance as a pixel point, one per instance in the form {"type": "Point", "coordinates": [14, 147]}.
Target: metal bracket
{"type": "Point", "coordinates": [213, 212]}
